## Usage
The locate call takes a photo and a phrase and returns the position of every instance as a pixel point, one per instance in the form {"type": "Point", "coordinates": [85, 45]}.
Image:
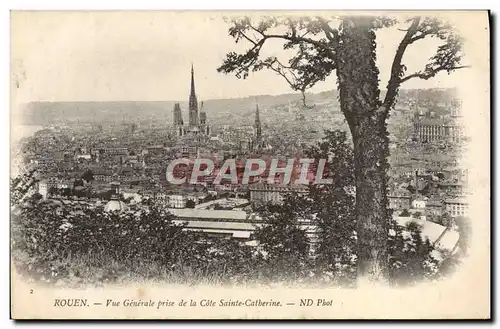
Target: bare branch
{"type": "Point", "coordinates": [304, 101]}
{"type": "Point", "coordinates": [280, 70]}
{"type": "Point", "coordinates": [397, 67]}
{"type": "Point", "coordinates": [256, 30]}
{"type": "Point", "coordinates": [305, 33]}
{"type": "Point", "coordinates": [248, 39]}
{"type": "Point", "coordinates": [426, 75]}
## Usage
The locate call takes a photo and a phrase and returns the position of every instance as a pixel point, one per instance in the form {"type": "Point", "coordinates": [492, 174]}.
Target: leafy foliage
{"type": "Point", "coordinates": [313, 59]}
{"type": "Point", "coordinates": [190, 204]}
{"type": "Point", "coordinates": [21, 186]}
{"type": "Point", "coordinates": [333, 206]}
{"type": "Point", "coordinates": [283, 241]}
{"type": "Point", "coordinates": [48, 232]}
{"type": "Point", "coordinates": [314, 44]}
{"type": "Point", "coordinates": [411, 257]}
{"type": "Point", "coordinates": [88, 175]}
{"type": "Point", "coordinates": [405, 213]}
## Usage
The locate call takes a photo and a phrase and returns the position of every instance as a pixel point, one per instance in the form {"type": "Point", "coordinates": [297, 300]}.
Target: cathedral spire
{"type": "Point", "coordinates": [257, 126]}
{"type": "Point", "coordinates": [192, 81]}
{"type": "Point", "coordinates": [257, 116]}
{"type": "Point", "coordinates": [193, 102]}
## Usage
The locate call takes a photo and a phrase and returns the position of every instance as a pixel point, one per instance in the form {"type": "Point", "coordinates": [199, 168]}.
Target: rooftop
{"type": "Point", "coordinates": [218, 225]}
{"type": "Point", "coordinates": [443, 238]}
{"type": "Point", "coordinates": [209, 214]}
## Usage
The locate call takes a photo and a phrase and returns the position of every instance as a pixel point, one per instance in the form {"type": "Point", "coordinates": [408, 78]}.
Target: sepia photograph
{"type": "Point", "coordinates": [250, 164]}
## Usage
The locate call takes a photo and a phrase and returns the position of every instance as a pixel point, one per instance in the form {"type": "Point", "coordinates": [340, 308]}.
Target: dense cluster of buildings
{"type": "Point", "coordinates": [262, 193]}
{"type": "Point", "coordinates": [431, 196]}
{"type": "Point", "coordinates": [427, 180]}
{"type": "Point", "coordinates": [121, 171]}
{"type": "Point", "coordinates": [433, 126]}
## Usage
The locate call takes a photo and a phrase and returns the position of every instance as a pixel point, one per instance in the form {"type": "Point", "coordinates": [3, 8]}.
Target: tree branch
{"type": "Point", "coordinates": [397, 68]}
{"type": "Point", "coordinates": [318, 44]}
{"type": "Point", "coordinates": [314, 61]}
{"type": "Point", "coordinates": [426, 75]}
{"type": "Point", "coordinates": [331, 34]}
{"type": "Point", "coordinates": [248, 39]}
{"type": "Point", "coordinates": [447, 57]}
{"type": "Point", "coordinates": [293, 37]}
{"type": "Point", "coordinates": [280, 70]}
{"type": "Point", "coordinates": [304, 100]}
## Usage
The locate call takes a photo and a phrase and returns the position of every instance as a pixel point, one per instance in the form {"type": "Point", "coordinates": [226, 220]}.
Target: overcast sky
{"type": "Point", "coordinates": [147, 56]}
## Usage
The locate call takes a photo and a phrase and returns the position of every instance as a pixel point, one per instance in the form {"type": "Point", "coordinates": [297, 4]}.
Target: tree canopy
{"type": "Point", "coordinates": [315, 45]}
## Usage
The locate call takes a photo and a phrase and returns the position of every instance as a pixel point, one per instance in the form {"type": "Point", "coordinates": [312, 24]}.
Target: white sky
{"type": "Point", "coordinates": [146, 56]}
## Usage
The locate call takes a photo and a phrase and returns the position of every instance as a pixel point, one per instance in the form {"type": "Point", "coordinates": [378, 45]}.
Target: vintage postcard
{"type": "Point", "coordinates": [250, 165]}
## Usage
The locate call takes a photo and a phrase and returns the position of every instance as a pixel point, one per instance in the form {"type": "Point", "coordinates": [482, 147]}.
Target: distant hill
{"type": "Point", "coordinates": [45, 113]}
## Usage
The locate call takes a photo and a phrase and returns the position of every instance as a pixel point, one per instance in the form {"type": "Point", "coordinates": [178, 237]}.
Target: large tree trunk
{"type": "Point", "coordinates": [370, 148]}
{"type": "Point", "coordinates": [359, 98]}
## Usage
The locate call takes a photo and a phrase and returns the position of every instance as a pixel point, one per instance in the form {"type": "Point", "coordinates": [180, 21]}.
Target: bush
{"type": "Point", "coordinates": [284, 244]}
{"type": "Point", "coordinates": [51, 243]}
{"type": "Point", "coordinates": [410, 257]}
{"type": "Point", "coordinates": [405, 213]}
{"type": "Point", "coordinates": [48, 233]}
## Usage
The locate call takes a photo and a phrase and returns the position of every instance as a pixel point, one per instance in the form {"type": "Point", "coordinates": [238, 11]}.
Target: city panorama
{"type": "Point", "coordinates": [232, 164]}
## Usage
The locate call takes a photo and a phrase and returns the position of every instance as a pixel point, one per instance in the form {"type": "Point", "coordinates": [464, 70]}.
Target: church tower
{"type": "Point", "coordinates": [178, 122]}
{"type": "Point", "coordinates": [204, 127]}
{"type": "Point", "coordinates": [193, 103]}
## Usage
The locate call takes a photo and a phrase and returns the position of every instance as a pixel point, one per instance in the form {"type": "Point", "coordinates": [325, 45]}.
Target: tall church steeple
{"type": "Point", "coordinates": [257, 126]}
{"type": "Point", "coordinates": [198, 123]}
{"type": "Point", "coordinates": [192, 80]}
{"type": "Point", "coordinates": [193, 102]}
